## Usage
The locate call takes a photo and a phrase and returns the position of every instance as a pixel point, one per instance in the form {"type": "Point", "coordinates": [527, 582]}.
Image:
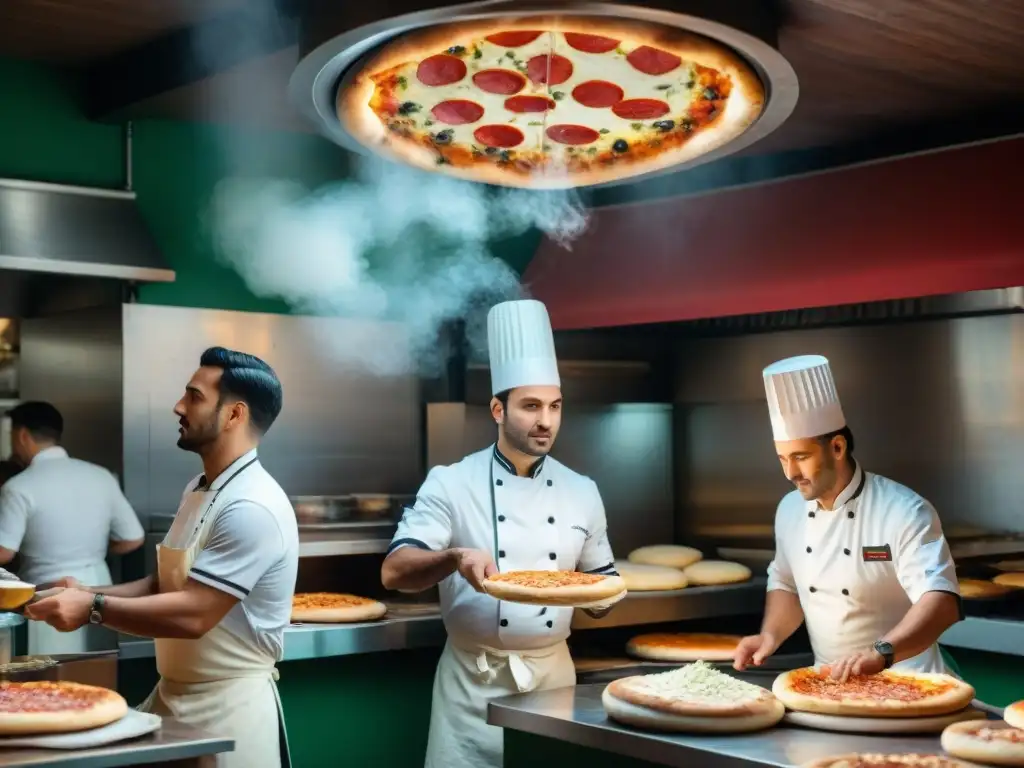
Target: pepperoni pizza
{"type": "Point", "coordinates": [570, 588]}
{"type": "Point", "coordinates": [550, 102]}
{"type": "Point", "coordinates": [890, 693]}
{"type": "Point", "coordinates": [870, 760]}
{"type": "Point", "coordinates": [334, 608]}
{"type": "Point", "coordinates": [56, 707]}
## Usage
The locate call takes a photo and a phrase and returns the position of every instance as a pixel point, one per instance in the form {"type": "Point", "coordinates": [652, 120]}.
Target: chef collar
{"type": "Point", "coordinates": [53, 452]}
{"type": "Point", "coordinates": [224, 476]}
{"type": "Point", "coordinates": [848, 494]}
{"type": "Point", "coordinates": [509, 467]}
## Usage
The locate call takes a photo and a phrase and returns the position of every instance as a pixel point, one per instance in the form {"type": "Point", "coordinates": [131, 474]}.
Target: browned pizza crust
{"type": "Point", "coordinates": [601, 589]}
{"type": "Point", "coordinates": [985, 741]}
{"type": "Point", "coordinates": [683, 646]}
{"type": "Point", "coordinates": [743, 107]}
{"type": "Point", "coordinates": [56, 707]}
{"type": "Point", "coordinates": [979, 589]}
{"type": "Point", "coordinates": [335, 608]}
{"type": "Point", "coordinates": [1011, 580]}
{"type": "Point", "coordinates": [1014, 714]}
{"type": "Point", "coordinates": [890, 693]}
{"type": "Point", "coordinates": [875, 760]}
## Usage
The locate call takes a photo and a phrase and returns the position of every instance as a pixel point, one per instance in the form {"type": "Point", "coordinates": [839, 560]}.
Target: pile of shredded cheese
{"type": "Point", "coordinates": [699, 682]}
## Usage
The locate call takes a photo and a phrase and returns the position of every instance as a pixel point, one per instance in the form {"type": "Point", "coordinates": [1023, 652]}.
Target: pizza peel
{"type": "Point", "coordinates": [881, 725]}
{"type": "Point", "coordinates": [133, 725]}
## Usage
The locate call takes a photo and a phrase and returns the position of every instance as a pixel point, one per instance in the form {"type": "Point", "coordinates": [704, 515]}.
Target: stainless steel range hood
{"type": "Point", "coordinates": [81, 231]}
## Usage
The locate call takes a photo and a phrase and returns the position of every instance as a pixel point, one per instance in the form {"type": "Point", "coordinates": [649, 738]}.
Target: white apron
{"type": "Point", "coordinates": [466, 679]}
{"type": "Point", "coordinates": [217, 683]}
{"type": "Point", "coordinates": [47, 641]}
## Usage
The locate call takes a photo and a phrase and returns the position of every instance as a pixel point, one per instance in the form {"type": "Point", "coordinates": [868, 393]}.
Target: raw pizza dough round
{"type": "Point", "coordinates": [1012, 580]}
{"type": "Point", "coordinates": [979, 589]}
{"type": "Point", "coordinates": [334, 608]}
{"type": "Point", "coordinates": [15, 594]}
{"type": "Point", "coordinates": [666, 555]}
{"type": "Point", "coordinates": [86, 706]}
{"type": "Point", "coordinates": [919, 694]}
{"type": "Point", "coordinates": [876, 760]}
{"type": "Point", "coordinates": [696, 698]}
{"type": "Point", "coordinates": [649, 578]}
{"type": "Point", "coordinates": [879, 725]}
{"type": "Point", "coordinates": [559, 588]}
{"type": "Point", "coordinates": [463, 78]}
{"type": "Point", "coordinates": [987, 741]}
{"type": "Point", "coordinates": [1009, 565]}
{"type": "Point", "coordinates": [683, 646]}
{"type": "Point", "coordinates": [714, 572]}
{"type": "Point", "coordinates": [1014, 714]}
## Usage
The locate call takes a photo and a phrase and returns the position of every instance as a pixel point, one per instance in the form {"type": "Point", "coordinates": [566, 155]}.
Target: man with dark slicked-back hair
{"type": "Point", "coordinates": [221, 598]}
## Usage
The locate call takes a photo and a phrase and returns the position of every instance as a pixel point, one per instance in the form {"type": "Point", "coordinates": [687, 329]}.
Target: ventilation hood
{"type": "Point", "coordinates": [80, 231]}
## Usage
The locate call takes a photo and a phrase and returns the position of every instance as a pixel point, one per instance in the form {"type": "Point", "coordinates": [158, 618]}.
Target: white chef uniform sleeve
{"type": "Point", "coordinates": [596, 556]}
{"type": "Point", "coordinates": [427, 524]}
{"type": "Point", "coordinates": [244, 544]}
{"type": "Point", "coordinates": [780, 573]}
{"type": "Point", "coordinates": [124, 523]}
{"type": "Point", "coordinates": [13, 517]}
{"type": "Point", "coordinates": [922, 558]}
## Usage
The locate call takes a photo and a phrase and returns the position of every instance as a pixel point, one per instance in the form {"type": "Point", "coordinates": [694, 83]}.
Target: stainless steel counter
{"type": "Point", "coordinates": [575, 715]}
{"type": "Point", "coordinates": [172, 742]}
{"type": "Point", "coordinates": [987, 634]}
{"type": "Point", "coordinates": [407, 626]}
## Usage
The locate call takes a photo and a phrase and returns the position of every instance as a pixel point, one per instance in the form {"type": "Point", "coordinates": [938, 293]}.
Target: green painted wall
{"type": "Point", "coordinates": [44, 137]}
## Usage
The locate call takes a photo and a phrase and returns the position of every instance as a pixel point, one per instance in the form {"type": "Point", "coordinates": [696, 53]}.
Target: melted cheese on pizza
{"type": "Point", "coordinates": [896, 761]}
{"type": "Point", "coordinates": [885, 685]}
{"type": "Point", "coordinates": [1009, 735]}
{"type": "Point", "coordinates": [48, 696]}
{"type": "Point", "coordinates": [547, 579]}
{"type": "Point", "coordinates": [698, 683]}
{"type": "Point", "coordinates": [328, 600]}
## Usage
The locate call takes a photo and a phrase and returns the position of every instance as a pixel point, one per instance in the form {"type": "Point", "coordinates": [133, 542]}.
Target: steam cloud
{"type": "Point", "coordinates": [391, 243]}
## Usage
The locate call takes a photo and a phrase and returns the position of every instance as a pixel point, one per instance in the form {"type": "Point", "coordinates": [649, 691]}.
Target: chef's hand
{"type": "Point", "coordinates": [867, 662]}
{"type": "Point", "coordinates": [475, 566]}
{"type": "Point", "coordinates": [753, 649]}
{"type": "Point", "coordinates": [67, 582]}
{"type": "Point", "coordinates": [66, 611]}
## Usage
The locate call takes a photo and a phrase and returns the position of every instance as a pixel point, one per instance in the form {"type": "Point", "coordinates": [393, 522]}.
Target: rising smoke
{"type": "Point", "coordinates": [389, 243]}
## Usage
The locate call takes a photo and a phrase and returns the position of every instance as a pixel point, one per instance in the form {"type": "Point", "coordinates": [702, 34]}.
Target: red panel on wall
{"type": "Point", "coordinates": [933, 224]}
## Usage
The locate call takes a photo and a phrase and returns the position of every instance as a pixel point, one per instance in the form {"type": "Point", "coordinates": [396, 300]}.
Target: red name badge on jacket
{"type": "Point", "coordinates": [877, 553]}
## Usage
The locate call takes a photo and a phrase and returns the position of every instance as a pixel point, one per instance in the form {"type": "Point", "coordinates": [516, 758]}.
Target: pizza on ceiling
{"type": "Point", "coordinates": [550, 102]}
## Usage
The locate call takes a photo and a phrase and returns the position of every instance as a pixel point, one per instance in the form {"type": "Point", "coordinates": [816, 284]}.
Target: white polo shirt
{"type": "Point", "coordinates": [859, 567]}
{"type": "Point", "coordinates": [252, 553]}
{"type": "Point", "coordinates": [60, 515]}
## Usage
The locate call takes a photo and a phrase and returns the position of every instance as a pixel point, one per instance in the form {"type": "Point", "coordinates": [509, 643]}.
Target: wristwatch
{"type": "Point", "coordinates": [96, 613]}
{"type": "Point", "coordinates": [885, 650]}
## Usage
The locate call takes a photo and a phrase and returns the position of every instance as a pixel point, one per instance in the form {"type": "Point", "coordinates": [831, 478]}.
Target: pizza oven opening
{"type": "Point", "coordinates": [482, 91]}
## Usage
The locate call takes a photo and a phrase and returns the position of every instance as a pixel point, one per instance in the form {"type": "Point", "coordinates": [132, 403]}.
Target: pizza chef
{"type": "Point", "coordinates": [860, 558]}
{"type": "Point", "coordinates": [506, 508]}
{"type": "Point", "coordinates": [226, 572]}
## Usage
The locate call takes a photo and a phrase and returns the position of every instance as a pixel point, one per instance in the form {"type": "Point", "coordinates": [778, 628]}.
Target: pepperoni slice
{"type": "Point", "coordinates": [501, 81]}
{"type": "Point", "coordinates": [457, 112]}
{"type": "Point", "coordinates": [590, 43]}
{"type": "Point", "coordinates": [529, 104]}
{"type": "Point", "coordinates": [597, 94]}
{"type": "Point", "coordinates": [539, 70]}
{"type": "Point", "coordinates": [441, 69]}
{"type": "Point", "coordinates": [640, 109]}
{"type": "Point", "coordinates": [653, 61]}
{"type": "Point", "coordinates": [572, 134]}
{"type": "Point", "coordinates": [513, 39]}
{"type": "Point", "coordinates": [503, 136]}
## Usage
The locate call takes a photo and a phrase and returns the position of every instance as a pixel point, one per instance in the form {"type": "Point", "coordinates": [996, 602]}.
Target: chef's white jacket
{"type": "Point", "coordinates": [552, 520]}
{"type": "Point", "coordinates": [858, 568]}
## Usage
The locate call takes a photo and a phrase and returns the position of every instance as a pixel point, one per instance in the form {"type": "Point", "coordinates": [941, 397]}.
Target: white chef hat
{"type": "Point", "coordinates": [522, 347]}
{"type": "Point", "coordinates": [802, 398]}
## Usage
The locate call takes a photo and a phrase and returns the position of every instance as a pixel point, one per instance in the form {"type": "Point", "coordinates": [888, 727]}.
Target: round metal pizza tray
{"type": "Point", "coordinates": [331, 65]}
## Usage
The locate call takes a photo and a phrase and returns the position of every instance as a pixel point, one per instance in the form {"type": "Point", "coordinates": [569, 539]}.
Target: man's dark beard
{"type": "Point", "coordinates": [826, 477]}
{"type": "Point", "coordinates": [196, 439]}
{"type": "Point", "coordinates": [521, 441]}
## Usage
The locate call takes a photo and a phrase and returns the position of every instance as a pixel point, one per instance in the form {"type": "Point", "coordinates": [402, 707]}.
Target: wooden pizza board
{"type": "Point", "coordinates": [131, 726]}
{"type": "Point", "coordinates": [934, 724]}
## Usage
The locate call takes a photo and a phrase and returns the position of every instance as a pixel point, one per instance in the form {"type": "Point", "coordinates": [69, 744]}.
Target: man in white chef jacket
{"type": "Point", "coordinates": [61, 516]}
{"type": "Point", "coordinates": [508, 507]}
{"type": "Point", "coordinates": [222, 596]}
{"type": "Point", "coordinates": [860, 558]}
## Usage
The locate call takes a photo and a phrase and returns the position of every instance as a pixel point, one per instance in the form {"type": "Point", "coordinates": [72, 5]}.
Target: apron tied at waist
{"type": "Point", "coordinates": [488, 662]}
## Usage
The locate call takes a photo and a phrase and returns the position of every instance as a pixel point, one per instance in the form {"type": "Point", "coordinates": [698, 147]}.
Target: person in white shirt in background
{"type": "Point", "coordinates": [858, 557]}
{"type": "Point", "coordinates": [60, 516]}
{"type": "Point", "coordinates": [508, 507]}
{"type": "Point", "coordinates": [222, 597]}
